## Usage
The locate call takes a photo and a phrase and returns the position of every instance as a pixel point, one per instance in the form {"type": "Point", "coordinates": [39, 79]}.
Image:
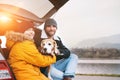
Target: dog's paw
{"type": "Point", "coordinates": [50, 78]}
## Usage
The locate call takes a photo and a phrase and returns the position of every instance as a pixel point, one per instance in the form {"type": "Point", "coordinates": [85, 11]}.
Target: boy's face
{"type": "Point", "coordinates": [50, 30]}
{"type": "Point", "coordinates": [30, 33]}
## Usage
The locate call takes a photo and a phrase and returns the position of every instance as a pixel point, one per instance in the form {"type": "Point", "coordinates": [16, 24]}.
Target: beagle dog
{"type": "Point", "coordinates": [49, 47]}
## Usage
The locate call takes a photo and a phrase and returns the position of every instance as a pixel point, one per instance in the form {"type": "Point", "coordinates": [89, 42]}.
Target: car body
{"type": "Point", "coordinates": [18, 15]}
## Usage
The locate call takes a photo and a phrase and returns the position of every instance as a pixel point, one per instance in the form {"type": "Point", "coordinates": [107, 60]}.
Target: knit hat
{"type": "Point", "coordinates": [50, 22]}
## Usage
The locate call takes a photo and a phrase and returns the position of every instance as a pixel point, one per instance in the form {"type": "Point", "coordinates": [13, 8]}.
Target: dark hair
{"type": "Point", "coordinates": [37, 37]}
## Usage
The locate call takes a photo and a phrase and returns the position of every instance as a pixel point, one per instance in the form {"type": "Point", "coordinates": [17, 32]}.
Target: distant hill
{"type": "Point", "coordinates": [103, 42]}
{"type": "Point", "coordinates": [108, 45]}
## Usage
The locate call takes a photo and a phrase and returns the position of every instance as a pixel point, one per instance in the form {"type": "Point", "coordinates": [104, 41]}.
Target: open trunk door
{"type": "Point", "coordinates": [26, 13]}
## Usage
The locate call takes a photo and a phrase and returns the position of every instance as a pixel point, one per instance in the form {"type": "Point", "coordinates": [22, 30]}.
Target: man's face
{"type": "Point", "coordinates": [50, 30]}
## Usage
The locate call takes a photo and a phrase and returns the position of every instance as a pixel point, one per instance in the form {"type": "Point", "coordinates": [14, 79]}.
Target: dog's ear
{"type": "Point", "coordinates": [55, 48]}
{"type": "Point", "coordinates": [39, 48]}
{"type": "Point", "coordinates": [41, 44]}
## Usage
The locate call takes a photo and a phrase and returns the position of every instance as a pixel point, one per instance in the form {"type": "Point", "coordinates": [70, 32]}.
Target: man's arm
{"type": "Point", "coordinates": [64, 51]}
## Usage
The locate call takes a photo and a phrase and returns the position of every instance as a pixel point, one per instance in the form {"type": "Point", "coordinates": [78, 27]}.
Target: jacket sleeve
{"type": "Point", "coordinates": [33, 56]}
{"type": "Point", "coordinates": [64, 51]}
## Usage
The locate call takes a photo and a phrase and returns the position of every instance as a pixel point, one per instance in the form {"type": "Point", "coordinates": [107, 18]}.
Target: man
{"type": "Point", "coordinates": [64, 68]}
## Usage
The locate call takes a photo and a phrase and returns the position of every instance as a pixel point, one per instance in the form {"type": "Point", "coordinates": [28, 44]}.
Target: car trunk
{"type": "Point", "coordinates": [23, 14]}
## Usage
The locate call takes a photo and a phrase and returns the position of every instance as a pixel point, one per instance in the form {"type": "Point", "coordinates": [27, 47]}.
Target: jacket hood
{"type": "Point", "coordinates": [13, 37]}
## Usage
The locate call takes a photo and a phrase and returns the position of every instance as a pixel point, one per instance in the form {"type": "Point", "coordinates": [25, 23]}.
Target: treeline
{"type": "Point", "coordinates": [109, 53]}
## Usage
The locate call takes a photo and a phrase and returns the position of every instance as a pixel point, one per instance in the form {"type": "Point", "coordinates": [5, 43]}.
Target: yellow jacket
{"type": "Point", "coordinates": [25, 59]}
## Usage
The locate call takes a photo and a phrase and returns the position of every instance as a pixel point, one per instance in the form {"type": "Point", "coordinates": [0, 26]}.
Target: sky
{"type": "Point", "coordinates": [86, 19]}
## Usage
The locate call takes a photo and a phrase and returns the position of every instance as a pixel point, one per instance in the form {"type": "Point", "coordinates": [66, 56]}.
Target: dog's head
{"type": "Point", "coordinates": [48, 46]}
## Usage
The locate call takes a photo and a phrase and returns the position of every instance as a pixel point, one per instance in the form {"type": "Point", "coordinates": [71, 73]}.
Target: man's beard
{"type": "Point", "coordinates": [49, 34]}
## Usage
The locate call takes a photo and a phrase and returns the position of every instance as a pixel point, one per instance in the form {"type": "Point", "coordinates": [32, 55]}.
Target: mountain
{"type": "Point", "coordinates": [108, 45]}
{"type": "Point", "coordinates": [103, 42]}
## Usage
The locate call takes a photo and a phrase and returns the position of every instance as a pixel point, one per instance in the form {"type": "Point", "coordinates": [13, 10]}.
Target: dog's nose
{"type": "Point", "coordinates": [45, 49]}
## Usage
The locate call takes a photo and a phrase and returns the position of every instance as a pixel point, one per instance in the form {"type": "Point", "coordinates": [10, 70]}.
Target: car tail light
{"type": "Point", "coordinates": [5, 73]}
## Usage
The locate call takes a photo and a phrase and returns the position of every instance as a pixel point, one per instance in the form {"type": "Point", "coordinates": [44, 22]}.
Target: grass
{"type": "Point", "coordinates": [109, 75]}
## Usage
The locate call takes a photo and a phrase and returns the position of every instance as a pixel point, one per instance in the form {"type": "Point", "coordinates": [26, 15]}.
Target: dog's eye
{"type": "Point", "coordinates": [49, 44]}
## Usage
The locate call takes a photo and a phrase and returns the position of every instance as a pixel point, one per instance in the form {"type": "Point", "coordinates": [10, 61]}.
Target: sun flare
{"type": "Point", "coordinates": [4, 18]}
